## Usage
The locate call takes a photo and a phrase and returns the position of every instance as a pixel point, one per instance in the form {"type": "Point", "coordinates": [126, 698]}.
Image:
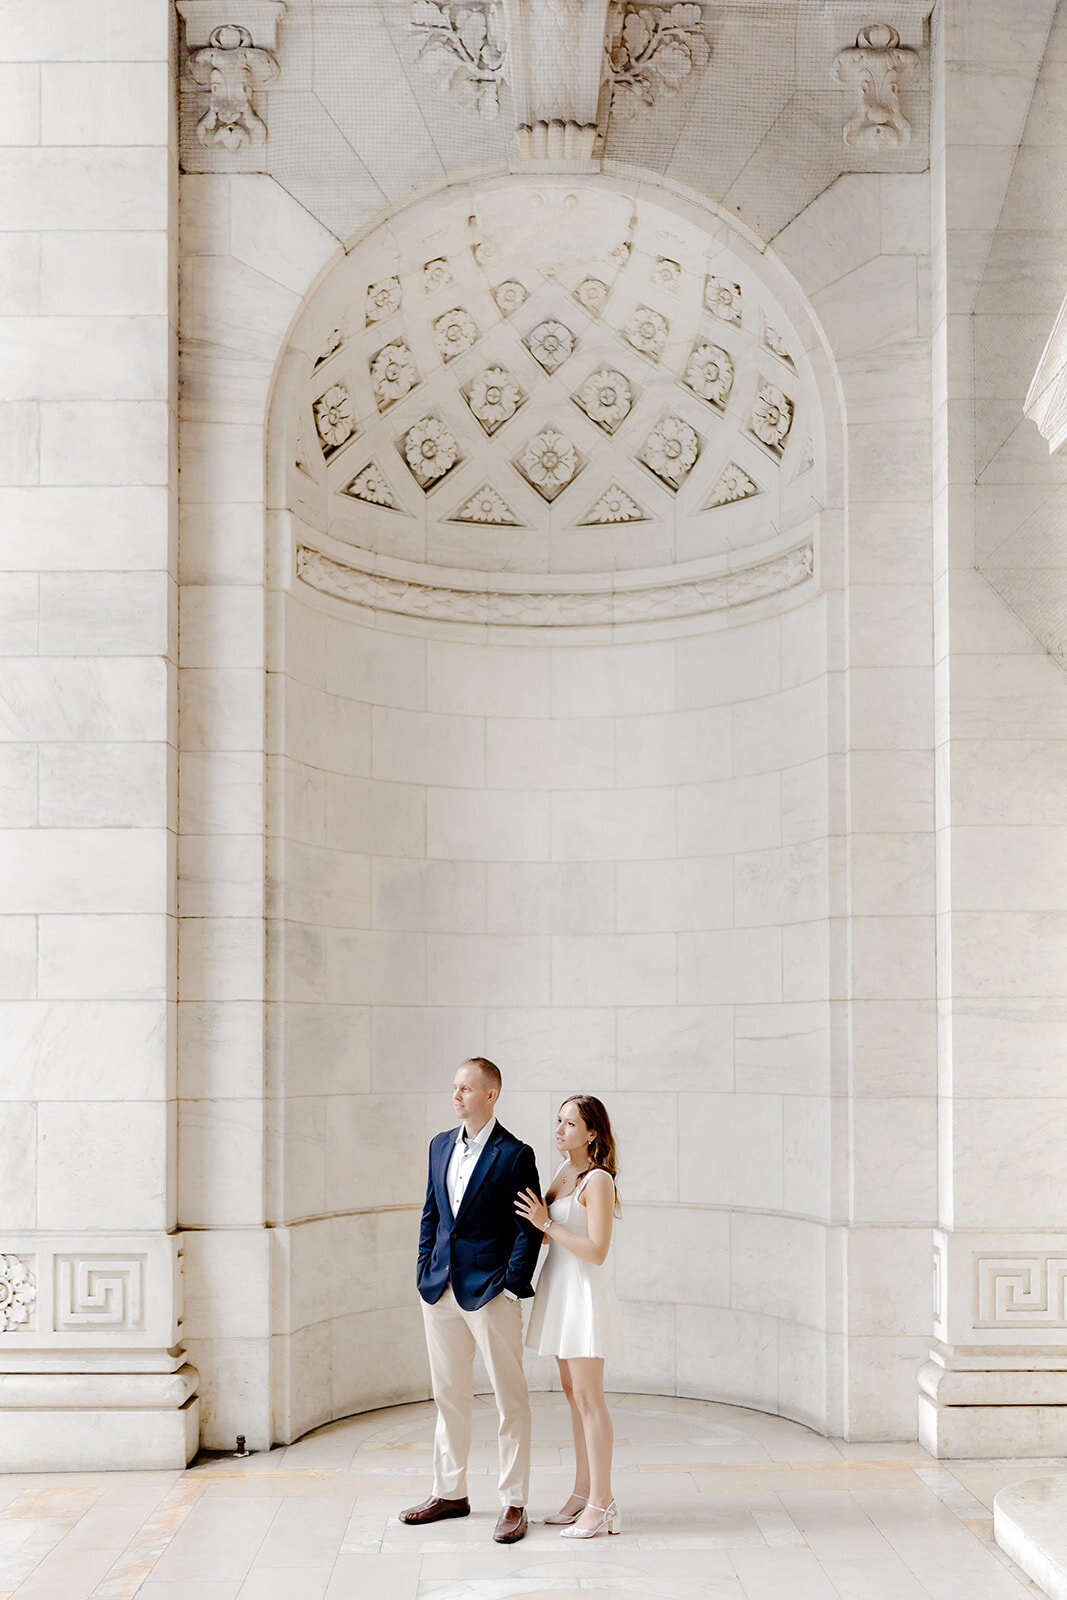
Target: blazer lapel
{"type": "Point", "coordinates": [481, 1169]}
{"type": "Point", "coordinates": [441, 1179]}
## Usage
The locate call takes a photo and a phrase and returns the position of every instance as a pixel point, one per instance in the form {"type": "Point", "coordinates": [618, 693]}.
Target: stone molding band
{"type": "Point", "coordinates": [557, 607]}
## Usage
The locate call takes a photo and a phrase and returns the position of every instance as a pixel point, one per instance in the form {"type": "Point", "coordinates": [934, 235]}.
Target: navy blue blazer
{"type": "Point", "coordinates": [486, 1247]}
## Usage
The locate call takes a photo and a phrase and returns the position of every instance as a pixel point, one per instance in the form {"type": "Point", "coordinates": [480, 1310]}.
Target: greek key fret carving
{"type": "Point", "coordinates": [1020, 1292]}
{"type": "Point", "coordinates": [99, 1292]}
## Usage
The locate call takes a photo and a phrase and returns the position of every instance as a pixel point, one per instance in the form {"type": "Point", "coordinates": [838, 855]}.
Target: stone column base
{"type": "Point", "coordinates": [98, 1421]}
{"type": "Point", "coordinates": [996, 1411]}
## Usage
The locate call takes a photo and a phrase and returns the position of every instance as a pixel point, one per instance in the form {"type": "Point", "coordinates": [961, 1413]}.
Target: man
{"type": "Point", "coordinates": [476, 1258]}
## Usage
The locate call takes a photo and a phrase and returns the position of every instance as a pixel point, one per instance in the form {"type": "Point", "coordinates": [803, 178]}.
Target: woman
{"type": "Point", "coordinates": [575, 1313]}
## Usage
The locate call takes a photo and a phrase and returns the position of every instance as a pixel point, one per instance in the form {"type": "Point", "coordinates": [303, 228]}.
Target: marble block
{"type": "Point", "coordinates": [1030, 1525]}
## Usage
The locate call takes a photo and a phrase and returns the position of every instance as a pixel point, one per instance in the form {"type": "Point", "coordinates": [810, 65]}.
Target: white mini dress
{"type": "Point", "coordinates": [575, 1311]}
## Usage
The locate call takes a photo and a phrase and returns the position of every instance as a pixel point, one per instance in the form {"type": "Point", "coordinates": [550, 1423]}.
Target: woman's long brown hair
{"type": "Point", "coordinates": [594, 1114]}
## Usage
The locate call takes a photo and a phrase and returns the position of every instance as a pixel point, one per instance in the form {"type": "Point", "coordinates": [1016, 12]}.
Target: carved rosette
{"type": "Point", "coordinates": [592, 294]}
{"type": "Point", "coordinates": [509, 295]}
{"type": "Point", "coordinates": [393, 374]}
{"type": "Point", "coordinates": [771, 417]}
{"type": "Point", "coordinates": [647, 331]}
{"type": "Point", "coordinates": [494, 398]}
{"type": "Point", "coordinates": [454, 333]}
{"type": "Point", "coordinates": [383, 300]}
{"type": "Point", "coordinates": [671, 450]}
{"type": "Point", "coordinates": [710, 373]}
{"type": "Point", "coordinates": [18, 1294]}
{"type": "Point", "coordinates": [549, 462]}
{"type": "Point", "coordinates": [430, 450]}
{"type": "Point", "coordinates": [550, 343]}
{"type": "Point", "coordinates": [334, 418]}
{"type": "Point", "coordinates": [875, 67]}
{"type": "Point", "coordinates": [723, 299]}
{"type": "Point", "coordinates": [606, 398]}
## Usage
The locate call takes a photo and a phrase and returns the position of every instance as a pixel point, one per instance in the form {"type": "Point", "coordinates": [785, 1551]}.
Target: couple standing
{"type": "Point", "coordinates": [482, 1227]}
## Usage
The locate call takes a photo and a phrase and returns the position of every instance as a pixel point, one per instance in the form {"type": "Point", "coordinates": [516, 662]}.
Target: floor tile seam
{"type": "Point", "coordinates": [145, 1536]}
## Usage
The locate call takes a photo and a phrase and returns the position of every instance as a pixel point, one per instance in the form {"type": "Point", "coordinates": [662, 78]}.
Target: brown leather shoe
{"type": "Point", "coordinates": [511, 1525]}
{"type": "Point", "coordinates": [435, 1510]}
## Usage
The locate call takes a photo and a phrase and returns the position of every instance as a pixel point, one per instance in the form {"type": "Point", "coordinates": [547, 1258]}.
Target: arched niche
{"type": "Point", "coordinates": [549, 770]}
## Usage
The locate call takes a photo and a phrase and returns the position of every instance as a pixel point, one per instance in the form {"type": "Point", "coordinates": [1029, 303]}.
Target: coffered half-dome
{"type": "Point", "coordinates": [551, 378]}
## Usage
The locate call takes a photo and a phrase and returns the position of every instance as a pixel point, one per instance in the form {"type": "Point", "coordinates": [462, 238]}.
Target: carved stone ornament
{"type": "Point", "coordinates": [383, 300]}
{"type": "Point", "coordinates": [550, 343]}
{"type": "Point", "coordinates": [614, 505]}
{"type": "Point", "coordinates": [732, 484]}
{"type": "Point", "coordinates": [462, 49]}
{"type": "Point", "coordinates": [436, 274]}
{"type": "Point", "coordinates": [558, 607]}
{"type": "Point", "coordinates": [494, 398]}
{"type": "Point", "coordinates": [334, 418]}
{"type": "Point", "coordinates": [430, 450]}
{"type": "Point", "coordinates": [670, 450]}
{"type": "Point", "coordinates": [549, 462]}
{"type": "Point", "coordinates": [773, 341]}
{"type": "Point", "coordinates": [487, 506]}
{"type": "Point", "coordinates": [875, 67]}
{"type": "Point", "coordinates": [592, 293]}
{"type": "Point", "coordinates": [647, 331]}
{"type": "Point", "coordinates": [666, 274]}
{"type": "Point", "coordinates": [231, 68]}
{"type": "Point", "coordinates": [454, 333]}
{"type": "Point", "coordinates": [370, 486]}
{"type": "Point", "coordinates": [710, 373]}
{"type": "Point", "coordinates": [18, 1294]}
{"type": "Point", "coordinates": [393, 374]}
{"type": "Point", "coordinates": [771, 417]}
{"type": "Point", "coordinates": [723, 299]}
{"type": "Point", "coordinates": [606, 398]}
{"type": "Point", "coordinates": [554, 69]}
{"type": "Point", "coordinates": [509, 295]}
{"type": "Point", "coordinates": [652, 49]}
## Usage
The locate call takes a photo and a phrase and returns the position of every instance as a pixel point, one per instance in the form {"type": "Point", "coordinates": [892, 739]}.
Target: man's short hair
{"type": "Point", "coordinates": [489, 1071]}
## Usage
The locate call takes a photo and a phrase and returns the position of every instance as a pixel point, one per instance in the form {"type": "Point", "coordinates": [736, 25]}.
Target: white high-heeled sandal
{"type": "Point", "coordinates": [563, 1519]}
{"type": "Point", "coordinates": [610, 1522]}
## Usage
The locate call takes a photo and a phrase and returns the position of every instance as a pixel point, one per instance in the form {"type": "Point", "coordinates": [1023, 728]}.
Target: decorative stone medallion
{"type": "Point", "coordinates": [393, 374]}
{"type": "Point", "coordinates": [333, 418]}
{"type": "Point", "coordinates": [550, 343]}
{"type": "Point", "coordinates": [670, 450]}
{"type": "Point", "coordinates": [647, 331]}
{"type": "Point", "coordinates": [667, 274]}
{"type": "Point", "coordinates": [509, 295]}
{"type": "Point", "coordinates": [606, 398]}
{"type": "Point", "coordinates": [723, 299]}
{"type": "Point", "coordinates": [733, 483]}
{"type": "Point", "coordinates": [614, 505]}
{"type": "Point", "coordinates": [592, 293]}
{"type": "Point", "coordinates": [383, 300]}
{"type": "Point", "coordinates": [487, 505]}
{"type": "Point", "coordinates": [771, 417]}
{"type": "Point", "coordinates": [430, 450]}
{"type": "Point", "coordinates": [773, 341]}
{"type": "Point", "coordinates": [549, 463]}
{"type": "Point", "coordinates": [494, 398]}
{"type": "Point", "coordinates": [18, 1294]}
{"type": "Point", "coordinates": [436, 274]}
{"type": "Point", "coordinates": [710, 373]}
{"type": "Point", "coordinates": [372, 488]}
{"type": "Point", "coordinates": [454, 333]}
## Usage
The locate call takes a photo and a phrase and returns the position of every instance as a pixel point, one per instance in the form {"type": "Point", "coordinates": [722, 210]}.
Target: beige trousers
{"type": "Point", "coordinates": [451, 1337]}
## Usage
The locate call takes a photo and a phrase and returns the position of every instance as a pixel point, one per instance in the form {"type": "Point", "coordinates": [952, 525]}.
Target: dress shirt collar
{"type": "Point", "coordinates": [480, 1139]}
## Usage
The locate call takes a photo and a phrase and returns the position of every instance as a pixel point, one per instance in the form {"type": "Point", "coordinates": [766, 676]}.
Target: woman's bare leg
{"type": "Point", "coordinates": [580, 1493]}
{"type": "Point", "coordinates": [587, 1384]}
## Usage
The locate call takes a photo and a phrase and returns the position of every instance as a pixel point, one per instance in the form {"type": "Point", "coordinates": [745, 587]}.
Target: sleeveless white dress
{"type": "Point", "coordinates": [575, 1312]}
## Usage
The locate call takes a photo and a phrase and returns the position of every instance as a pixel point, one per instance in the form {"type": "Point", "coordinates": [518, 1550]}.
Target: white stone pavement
{"type": "Point", "coordinates": [719, 1504]}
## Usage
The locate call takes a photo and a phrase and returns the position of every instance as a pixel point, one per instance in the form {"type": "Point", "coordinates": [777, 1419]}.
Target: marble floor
{"type": "Point", "coordinates": [719, 1504]}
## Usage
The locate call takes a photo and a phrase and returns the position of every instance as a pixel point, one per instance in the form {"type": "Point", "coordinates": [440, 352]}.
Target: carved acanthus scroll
{"type": "Point", "coordinates": [875, 67]}
{"type": "Point", "coordinates": [463, 50]}
{"type": "Point", "coordinates": [653, 48]}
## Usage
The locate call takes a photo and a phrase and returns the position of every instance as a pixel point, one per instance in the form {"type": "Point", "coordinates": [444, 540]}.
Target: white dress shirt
{"type": "Point", "coordinates": [463, 1160]}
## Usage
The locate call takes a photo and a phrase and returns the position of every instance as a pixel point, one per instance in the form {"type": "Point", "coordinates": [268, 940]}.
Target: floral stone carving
{"type": "Point", "coordinates": [733, 483]}
{"type": "Point", "coordinates": [383, 300]}
{"type": "Point", "coordinates": [230, 67]}
{"type": "Point", "coordinates": [592, 294]}
{"type": "Point", "coordinates": [667, 274]}
{"type": "Point", "coordinates": [614, 505]}
{"type": "Point", "coordinates": [509, 296]}
{"type": "Point", "coordinates": [771, 417]}
{"type": "Point", "coordinates": [393, 374]}
{"type": "Point", "coordinates": [334, 419]}
{"type": "Point", "coordinates": [549, 462]}
{"type": "Point", "coordinates": [371, 487]}
{"type": "Point", "coordinates": [654, 48]}
{"type": "Point", "coordinates": [670, 450]}
{"type": "Point", "coordinates": [454, 333]}
{"type": "Point", "coordinates": [487, 505]}
{"type": "Point", "coordinates": [550, 343]}
{"type": "Point", "coordinates": [463, 50]}
{"type": "Point", "coordinates": [436, 275]}
{"type": "Point", "coordinates": [723, 299]}
{"type": "Point", "coordinates": [494, 398]}
{"type": "Point", "coordinates": [710, 373]}
{"type": "Point", "coordinates": [606, 398]}
{"type": "Point", "coordinates": [18, 1294]}
{"type": "Point", "coordinates": [875, 67]}
{"type": "Point", "coordinates": [647, 331]}
{"type": "Point", "coordinates": [430, 450]}
{"type": "Point", "coordinates": [773, 341]}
